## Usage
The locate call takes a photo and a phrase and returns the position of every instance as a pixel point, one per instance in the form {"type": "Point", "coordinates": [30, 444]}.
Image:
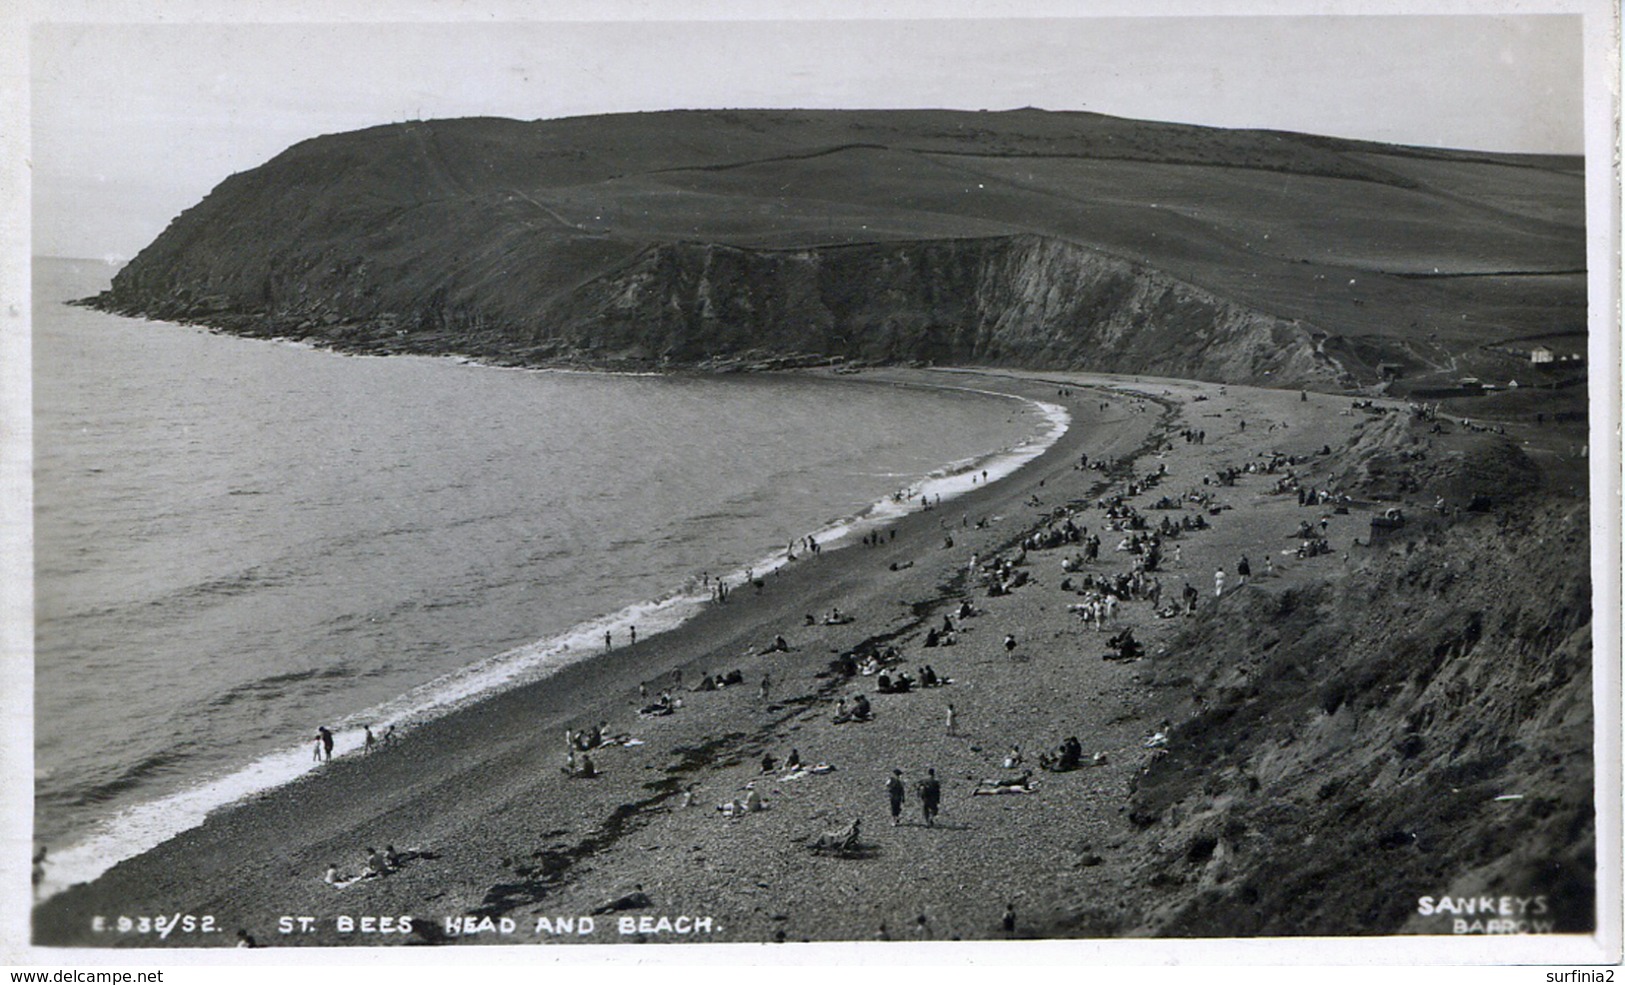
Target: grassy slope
{"type": "Point", "coordinates": [1301, 227]}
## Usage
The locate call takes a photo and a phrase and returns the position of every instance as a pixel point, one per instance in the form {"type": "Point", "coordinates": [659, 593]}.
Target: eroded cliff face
{"type": "Point", "coordinates": [1022, 300]}
{"type": "Point", "coordinates": [1022, 238]}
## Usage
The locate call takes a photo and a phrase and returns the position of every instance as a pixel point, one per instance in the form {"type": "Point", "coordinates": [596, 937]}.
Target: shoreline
{"type": "Point", "coordinates": [493, 830]}
{"type": "Point", "coordinates": [525, 665]}
{"type": "Point", "coordinates": [560, 695]}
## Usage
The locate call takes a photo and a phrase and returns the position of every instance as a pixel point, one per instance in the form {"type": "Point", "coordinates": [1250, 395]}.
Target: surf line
{"type": "Point", "coordinates": [143, 827]}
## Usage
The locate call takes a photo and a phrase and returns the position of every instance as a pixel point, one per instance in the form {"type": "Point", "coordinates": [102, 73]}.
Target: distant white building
{"type": "Point", "coordinates": [1540, 354]}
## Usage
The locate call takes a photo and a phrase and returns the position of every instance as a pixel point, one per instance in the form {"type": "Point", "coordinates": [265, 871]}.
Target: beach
{"type": "Point", "coordinates": [499, 846]}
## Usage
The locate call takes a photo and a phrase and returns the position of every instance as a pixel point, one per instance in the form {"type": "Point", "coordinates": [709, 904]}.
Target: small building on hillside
{"type": "Point", "coordinates": [1540, 354]}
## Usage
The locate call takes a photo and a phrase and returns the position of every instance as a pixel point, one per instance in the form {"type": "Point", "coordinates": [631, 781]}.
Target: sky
{"type": "Point", "coordinates": [132, 122]}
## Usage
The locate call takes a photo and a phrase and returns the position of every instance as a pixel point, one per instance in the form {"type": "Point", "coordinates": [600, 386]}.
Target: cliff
{"type": "Point", "coordinates": [1027, 238]}
{"type": "Point", "coordinates": [1426, 724]}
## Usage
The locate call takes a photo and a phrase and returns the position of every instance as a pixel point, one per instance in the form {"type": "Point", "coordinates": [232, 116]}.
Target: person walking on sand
{"type": "Point", "coordinates": [953, 719]}
{"type": "Point", "coordinates": [1244, 569]}
{"type": "Point", "coordinates": [895, 793]}
{"type": "Point", "coordinates": [1218, 583]}
{"type": "Point", "coordinates": [930, 791]}
{"type": "Point", "coordinates": [368, 742]}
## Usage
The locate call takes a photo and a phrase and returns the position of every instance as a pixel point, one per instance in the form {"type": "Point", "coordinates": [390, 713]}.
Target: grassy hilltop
{"type": "Point", "coordinates": [1028, 238]}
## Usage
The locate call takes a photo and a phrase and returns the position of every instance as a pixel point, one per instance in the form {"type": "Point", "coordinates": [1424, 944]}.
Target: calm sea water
{"type": "Point", "coordinates": [239, 540]}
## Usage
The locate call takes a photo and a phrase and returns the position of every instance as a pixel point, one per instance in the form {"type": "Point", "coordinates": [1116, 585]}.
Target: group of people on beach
{"type": "Point", "coordinates": [322, 742]}
{"type": "Point", "coordinates": [375, 864]}
{"type": "Point", "coordinates": [928, 790]}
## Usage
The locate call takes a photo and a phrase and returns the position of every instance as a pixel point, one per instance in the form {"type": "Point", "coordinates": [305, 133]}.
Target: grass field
{"type": "Point", "coordinates": [1403, 254]}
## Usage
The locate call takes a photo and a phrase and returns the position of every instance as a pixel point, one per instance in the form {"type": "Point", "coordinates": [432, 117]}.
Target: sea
{"type": "Point", "coordinates": [237, 540]}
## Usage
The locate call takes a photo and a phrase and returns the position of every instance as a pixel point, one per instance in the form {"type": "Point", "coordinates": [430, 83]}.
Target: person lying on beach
{"type": "Point", "coordinates": [750, 803]}
{"type": "Point", "coordinates": [836, 618]}
{"type": "Point", "coordinates": [1124, 647]}
{"type": "Point", "coordinates": [839, 842]}
{"type": "Point", "coordinates": [637, 899]}
{"type": "Point", "coordinates": [1006, 785]}
{"type": "Point", "coordinates": [816, 769]}
{"type": "Point", "coordinates": [779, 645]}
{"type": "Point", "coordinates": [858, 712]}
{"type": "Point", "coordinates": [665, 706]}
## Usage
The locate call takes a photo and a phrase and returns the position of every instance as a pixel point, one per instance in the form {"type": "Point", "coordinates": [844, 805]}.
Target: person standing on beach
{"type": "Point", "coordinates": [368, 742]}
{"type": "Point", "coordinates": [953, 719]}
{"type": "Point", "coordinates": [1244, 569]}
{"type": "Point", "coordinates": [607, 641]}
{"type": "Point", "coordinates": [634, 631]}
{"type": "Point", "coordinates": [1218, 583]}
{"type": "Point", "coordinates": [326, 738]}
{"type": "Point", "coordinates": [765, 684]}
{"type": "Point", "coordinates": [316, 749]}
{"type": "Point", "coordinates": [930, 791]}
{"type": "Point", "coordinates": [895, 793]}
